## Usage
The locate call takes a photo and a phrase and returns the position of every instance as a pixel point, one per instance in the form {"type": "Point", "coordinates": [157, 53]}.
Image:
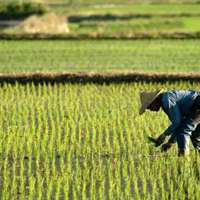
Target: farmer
{"type": "Point", "coordinates": [183, 110]}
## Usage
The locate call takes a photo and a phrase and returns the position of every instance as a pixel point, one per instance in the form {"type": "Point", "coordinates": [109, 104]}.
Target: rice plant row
{"type": "Point", "coordinates": [99, 56]}
{"type": "Point", "coordinates": [87, 142]}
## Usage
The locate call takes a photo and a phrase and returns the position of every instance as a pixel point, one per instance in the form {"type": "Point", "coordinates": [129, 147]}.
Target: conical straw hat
{"type": "Point", "coordinates": [147, 98]}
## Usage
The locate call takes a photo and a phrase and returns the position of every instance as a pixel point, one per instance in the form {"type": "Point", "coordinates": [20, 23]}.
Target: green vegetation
{"type": "Point", "coordinates": [129, 19]}
{"type": "Point", "coordinates": [19, 10]}
{"type": "Point", "coordinates": [119, 20]}
{"type": "Point", "coordinates": [126, 28]}
{"type": "Point", "coordinates": [103, 55]}
{"type": "Point", "coordinates": [139, 25]}
{"type": "Point", "coordinates": [86, 142]}
{"type": "Point", "coordinates": [130, 9]}
{"type": "Point", "coordinates": [117, 2]}
{"type": "Point", "coordinates": [100, 2]}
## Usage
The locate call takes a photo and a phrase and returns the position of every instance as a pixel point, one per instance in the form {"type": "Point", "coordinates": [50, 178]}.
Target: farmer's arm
{"type": "Point", "coordinates": [172, 110]}
{"type": "Point", "coordinates": [176, 122]}
{"type": "Point", "coordinates": [175, 118]}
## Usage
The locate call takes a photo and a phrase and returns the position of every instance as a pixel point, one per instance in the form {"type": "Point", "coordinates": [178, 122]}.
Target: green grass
{"type": "Point", "coordinates": [85, 142]}
{"type": "Point", "coordinates": [152, 26]}
{"type": "Point", "coordinates": [155, 24]}
{"type": "Point", "coordinates": [103, 55]}
{"type": "Point", "coordinates": [105, 2]}
{"type": "Point", "coordinates": [131, 9]}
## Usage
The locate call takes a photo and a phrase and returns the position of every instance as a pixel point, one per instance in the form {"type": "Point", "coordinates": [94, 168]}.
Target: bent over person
{"type": "Point", "coordinates": [183, 110]}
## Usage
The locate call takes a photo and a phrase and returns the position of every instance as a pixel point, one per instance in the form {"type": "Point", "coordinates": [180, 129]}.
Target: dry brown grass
{"type": "Point", "coordinates": [49, 23]}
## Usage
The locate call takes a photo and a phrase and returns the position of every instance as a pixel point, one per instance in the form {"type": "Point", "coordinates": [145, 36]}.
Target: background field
{"type": "Point", "coordinates": [126, 19]}
{"type": "Point", "coordinates": [80, 2]}
{"type": "Point", "coordinates": [102, 55]}
{"type": "Point", "coordinates": [129, 9]}
{"type": "Point", "coordinates": [120, 27]}
{"type": "Point", "coordinates": [137, 18]}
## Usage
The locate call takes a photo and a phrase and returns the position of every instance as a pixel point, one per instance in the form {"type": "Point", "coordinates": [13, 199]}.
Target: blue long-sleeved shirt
{"type": "Point", "coordinates": [177, 105]}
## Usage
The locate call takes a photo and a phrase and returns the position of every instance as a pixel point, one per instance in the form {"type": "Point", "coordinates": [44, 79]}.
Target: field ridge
{"type": "Point", "coordinates": [96, 77]}
{"type": "Point", "coordinates": [112, 16]}
{"type": "Point", "coordinates": [90, 36]}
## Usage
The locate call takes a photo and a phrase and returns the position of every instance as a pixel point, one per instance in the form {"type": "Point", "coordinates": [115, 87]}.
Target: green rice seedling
{"type": "Point", "coordinates": [84, 142]}
{"type": "Point", "coordinates": [49, 189]}
{"type": "Point", "coordinates": [51, 55]}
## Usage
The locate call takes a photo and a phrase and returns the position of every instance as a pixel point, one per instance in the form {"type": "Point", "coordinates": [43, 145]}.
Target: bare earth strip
{"type": "Point", "coordinates": [139, 35]}
{"type": "Point", "coordinates": [100, 78]}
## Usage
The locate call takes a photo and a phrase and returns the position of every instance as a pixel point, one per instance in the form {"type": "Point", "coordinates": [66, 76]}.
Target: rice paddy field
{"type": "Point", "coordinates": [130, 8]}
{"type": "Point", "coordinates": [117, 19]}
{"type": "Point", "coordinates": [122, 27]}
{"type": "Point", "coordinates": [100, 55]}
{"type": "Point", "coordinates": [137, 17]}
{"type": "Point", "coordinates": [113, 2]}
{"type": "Point", "coordinates": [88, 142]}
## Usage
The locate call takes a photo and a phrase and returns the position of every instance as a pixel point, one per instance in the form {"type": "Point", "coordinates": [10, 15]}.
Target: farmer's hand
{"type": "Point", "coordinates": [157, 141]}
{"type": "Point", "coordinates": [160, 140]}
{"type": "Point", "coordinates": [165, 147]}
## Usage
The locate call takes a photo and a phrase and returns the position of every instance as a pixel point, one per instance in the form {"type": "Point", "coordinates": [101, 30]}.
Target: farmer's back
{"type": "Point", "coordinates": [181, 98]}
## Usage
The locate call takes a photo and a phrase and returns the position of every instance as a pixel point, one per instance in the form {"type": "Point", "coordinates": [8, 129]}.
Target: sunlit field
{"type": "Point", "coordinates": [102, 55]}
{"type": "Point", "coordinates": [88, 142]}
